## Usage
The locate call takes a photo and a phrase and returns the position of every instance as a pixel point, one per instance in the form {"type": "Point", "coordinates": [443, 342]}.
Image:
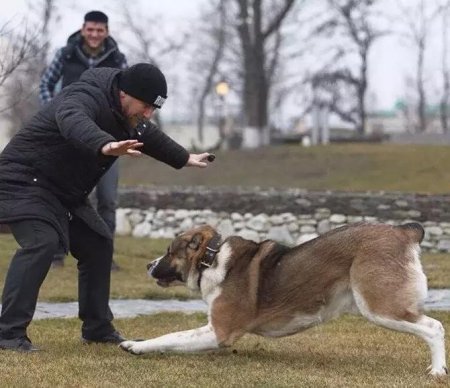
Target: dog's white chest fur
{"type": "Point", "coordinates": [213, 277]}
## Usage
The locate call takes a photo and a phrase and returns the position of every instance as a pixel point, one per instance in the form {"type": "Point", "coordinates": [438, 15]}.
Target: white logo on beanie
{"type": "Point", "coordinates": [159, 102]}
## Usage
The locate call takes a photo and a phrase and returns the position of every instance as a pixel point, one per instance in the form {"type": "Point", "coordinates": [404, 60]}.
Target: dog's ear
{"type": "Point", "coordinates": [195, 241]}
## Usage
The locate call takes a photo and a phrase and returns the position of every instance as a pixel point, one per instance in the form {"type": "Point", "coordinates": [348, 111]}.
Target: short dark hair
{"type": "Point", "coordinates": [96, 16]}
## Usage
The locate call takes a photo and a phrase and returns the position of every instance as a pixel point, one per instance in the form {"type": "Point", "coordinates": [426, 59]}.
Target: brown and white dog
{"type": "Point", "coordinates": [272, 290]}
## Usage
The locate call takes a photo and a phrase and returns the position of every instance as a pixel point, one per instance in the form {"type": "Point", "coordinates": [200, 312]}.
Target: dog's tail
{"type": "Point", "coordinates": [414, 230]}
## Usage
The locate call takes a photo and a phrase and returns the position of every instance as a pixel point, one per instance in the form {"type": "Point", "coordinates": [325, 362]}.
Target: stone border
{"type": "Point", "coordinates": [286, 228]}
{"type": "Point", "coordinates": [381, 205]}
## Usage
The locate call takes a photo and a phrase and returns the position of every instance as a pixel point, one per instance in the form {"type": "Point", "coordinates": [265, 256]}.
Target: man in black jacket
{"type": "Point", "coordinates": [47, 172]}
{"type": "Point", "coordinates": [88, 48]}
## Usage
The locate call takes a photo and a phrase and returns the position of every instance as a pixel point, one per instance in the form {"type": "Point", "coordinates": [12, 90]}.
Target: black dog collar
{"type": "Point", "coordinates": [212, 249]}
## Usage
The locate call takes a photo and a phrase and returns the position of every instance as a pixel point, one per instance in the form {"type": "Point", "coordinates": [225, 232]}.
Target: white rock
{"type": "Point", "coordinates": [136, 217]}
{"type": "Point", "coordinates": [353, 219]}
{"type": "Point", "coordinates": [142, 230]}
{"type": "Point", "coordinates": [276, 219]}
{"type": "Point", "coordinates": [225, 228]}
{"type": "Point", "coordinates": [293, 227]}
{"type": "Point", "coordinates": [186, 224]}
{"type": "Point", "coordinates": [288, 217]}
{"type": "Point", "coordinates": [259, 223]}
{"type": "Point", "coordinates": [236, 217]}
{"type": "Point", "coordinates": [168, 233]}
{"type": "Point", "coordinates": [280, 234]}
{"type": "Point", "coordinates": [181, 214]}
{"type": "Point", "coordinates": [433, 231]}
{"type": "Point", "coordinates": [444, 245]}
{"type": "Point", "coordinates": [307, 229]}
{"type": "Point", "coordinates": [308, 221]}
{"type": "Point", "coordinates": [306, 237]}
{"type": "Point", "coordinates": [213, 220]}
{"type": "Point", "coordinates": [249, 235]}
{"type": "Point", "coordinates": [123, 225]}
{"type": "Point", "coordinates": [238, 225]}
{"type": "Point", "coordinates": [323, 226]}
{"type": "Point", "coordinates": [338, 219]}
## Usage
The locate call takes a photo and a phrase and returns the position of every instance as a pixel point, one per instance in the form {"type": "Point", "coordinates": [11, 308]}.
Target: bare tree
{"type": "Point", "coordinates": [15, 48]}
{"type": "Point", "coordinates": [417, 21]}
{"type": "Point", "coordinates": [22, 90]}
{"type": "Point", "coordinates": [241, 44]}
{"type": "Point", "coordinates": [445, 98]}
{"type": "Point", "coordinates": [212, 54]}
{"type": "Point", "coordinates": [344, 74]}
{"type": "Point", "coordinates": [258, 25]}
{"type": "Point", "coordinates": [143, 46]}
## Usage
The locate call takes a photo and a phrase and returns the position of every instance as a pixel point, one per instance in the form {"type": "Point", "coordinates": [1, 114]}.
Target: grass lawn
{"type": "Point", "coordinates": [347, 352]}
{"type": "Point", "coordinates": [343, 353]}
{"type": "Point", "coordinates": [133, 283]}
{"type": "Point", "coordinates": [354, 167]}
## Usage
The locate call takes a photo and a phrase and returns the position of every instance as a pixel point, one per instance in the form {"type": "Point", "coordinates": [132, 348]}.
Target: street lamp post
{"type": "Point", "coordinates": [222, 89]}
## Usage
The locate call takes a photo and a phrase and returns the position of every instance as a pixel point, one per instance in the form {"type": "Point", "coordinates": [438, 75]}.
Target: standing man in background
{"type": "Point", "coordinates": [87, 48]}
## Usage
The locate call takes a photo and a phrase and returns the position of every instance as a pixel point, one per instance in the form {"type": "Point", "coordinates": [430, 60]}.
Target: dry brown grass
{"type": "Point", "coordinates": [353, 167]}
{"type": "Point", "coordinates": [348, 352]}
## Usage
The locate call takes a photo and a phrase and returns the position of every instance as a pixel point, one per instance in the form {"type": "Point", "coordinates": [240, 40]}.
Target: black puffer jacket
{"type": "Point", "coordinates": [52, 164]}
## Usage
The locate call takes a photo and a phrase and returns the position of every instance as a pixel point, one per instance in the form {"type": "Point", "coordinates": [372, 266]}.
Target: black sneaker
{"type": "Point", "coordinates": [113, 338]}
{"type": "Point", "coordinates": [18, 344]}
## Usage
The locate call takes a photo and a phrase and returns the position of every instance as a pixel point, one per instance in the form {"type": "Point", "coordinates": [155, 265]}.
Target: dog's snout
{"type": "Point", "coordinates": [151, 266]}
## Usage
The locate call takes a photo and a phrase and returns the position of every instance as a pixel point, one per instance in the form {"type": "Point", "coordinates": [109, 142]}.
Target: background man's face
{"type": "Point", "coordinates": [94, 34]}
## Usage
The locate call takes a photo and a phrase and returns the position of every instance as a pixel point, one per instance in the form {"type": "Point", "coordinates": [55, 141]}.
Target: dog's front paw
{"type": "Point", "coordinates": [133, 347]}
{"type": "Point", "coordinates": [437, 372]}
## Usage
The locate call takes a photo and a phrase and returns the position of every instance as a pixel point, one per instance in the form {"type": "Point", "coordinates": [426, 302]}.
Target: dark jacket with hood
{"type": "Point", "coordinates": [75, 61]}
{"type": "Point", "coordinates": [51, 165]}
{"type": "Point", "coordinates": [71, 61]}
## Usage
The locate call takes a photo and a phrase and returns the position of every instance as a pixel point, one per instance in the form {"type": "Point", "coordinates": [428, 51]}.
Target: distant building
{"type": "Point", "coordinates": [401, 119]}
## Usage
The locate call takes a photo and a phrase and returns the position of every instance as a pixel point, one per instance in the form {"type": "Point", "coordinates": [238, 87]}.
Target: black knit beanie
{"type": "Point", "coordinates": [144, 82]}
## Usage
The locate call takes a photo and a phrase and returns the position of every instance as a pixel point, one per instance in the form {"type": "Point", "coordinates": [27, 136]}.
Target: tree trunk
{"type": "Point", "coordinates": [421, 104]}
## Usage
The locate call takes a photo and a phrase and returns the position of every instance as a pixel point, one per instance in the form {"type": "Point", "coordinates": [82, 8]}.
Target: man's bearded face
{"type": "Point", "coordinates": [136, 110]}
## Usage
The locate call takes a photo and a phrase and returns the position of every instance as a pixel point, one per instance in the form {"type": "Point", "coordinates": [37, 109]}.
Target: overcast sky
{"type": "Point", "coordinates": [391, 59]}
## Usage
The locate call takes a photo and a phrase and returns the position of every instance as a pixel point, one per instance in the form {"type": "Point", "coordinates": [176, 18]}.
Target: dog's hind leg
{"type": "Point", "coordinates": [203, 338]}
{"type": "Point", "coordinates": [429, 329]}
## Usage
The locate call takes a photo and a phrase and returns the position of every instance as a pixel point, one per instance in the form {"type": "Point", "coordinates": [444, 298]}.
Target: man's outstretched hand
{"type": "Point", "coordinates": [125, 147]}
{"type": "Point", "coordinates": [200, 160]}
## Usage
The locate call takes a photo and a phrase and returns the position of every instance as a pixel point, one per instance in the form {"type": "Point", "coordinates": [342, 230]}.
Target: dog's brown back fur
{"type": "Point", "coordinates": [268, 286]}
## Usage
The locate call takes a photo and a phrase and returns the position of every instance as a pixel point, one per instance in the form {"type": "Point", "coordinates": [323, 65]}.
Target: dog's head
{"type": "Point", "coordinates": [181, 262]}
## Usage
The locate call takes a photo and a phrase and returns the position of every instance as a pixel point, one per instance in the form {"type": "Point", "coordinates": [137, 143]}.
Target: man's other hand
{"type": "Point", "coordinates": [198, 160]}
